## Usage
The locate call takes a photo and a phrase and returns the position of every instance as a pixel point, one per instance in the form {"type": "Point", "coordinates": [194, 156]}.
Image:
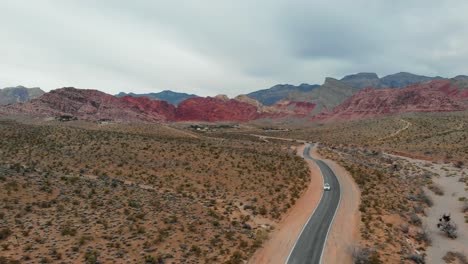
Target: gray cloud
{"type": "Point", "coordinates": [210, 47]}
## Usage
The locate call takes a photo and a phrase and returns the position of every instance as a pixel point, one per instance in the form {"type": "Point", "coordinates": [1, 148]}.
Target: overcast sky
{"type": "Point", "coordinates": [220, 46]}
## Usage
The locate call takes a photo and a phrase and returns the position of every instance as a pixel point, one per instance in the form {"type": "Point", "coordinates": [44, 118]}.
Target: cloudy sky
{"type": "Point", "coordinates": [215, 46]}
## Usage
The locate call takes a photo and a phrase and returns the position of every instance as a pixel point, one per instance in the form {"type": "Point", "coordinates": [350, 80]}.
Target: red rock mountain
{"type": "Point", "coordinates": [213, 109]}
{"type": "Point", "coordinates": [433, 96]}
{"type": "Point", "coordinates": [95, 105]}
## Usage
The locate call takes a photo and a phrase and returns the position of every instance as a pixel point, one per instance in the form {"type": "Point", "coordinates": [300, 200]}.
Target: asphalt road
{"type": "Point", "coordinates": [311, 241]}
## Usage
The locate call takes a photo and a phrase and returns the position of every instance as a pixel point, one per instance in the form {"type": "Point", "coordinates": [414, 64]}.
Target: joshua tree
{"type": "Point", "coordinates": [447, 226]}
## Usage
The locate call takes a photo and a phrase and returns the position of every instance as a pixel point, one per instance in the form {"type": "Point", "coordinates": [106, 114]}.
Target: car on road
{"type": "Point", "coordinates": [326, 187]}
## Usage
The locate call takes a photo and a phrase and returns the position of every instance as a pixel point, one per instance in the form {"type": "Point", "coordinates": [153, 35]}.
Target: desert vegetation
{"type": "Point", "coordinates": [392, 205]}
{"type": "Point", "coordinates": [135, 194]}
{"type": "Point", "coordinates": [435, 136]}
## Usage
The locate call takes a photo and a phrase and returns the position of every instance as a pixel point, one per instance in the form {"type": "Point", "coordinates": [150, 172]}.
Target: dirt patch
{"type": "Point", "coordinates": [277, 249]}
{"type": "Point", "coordinates": [344, 233]}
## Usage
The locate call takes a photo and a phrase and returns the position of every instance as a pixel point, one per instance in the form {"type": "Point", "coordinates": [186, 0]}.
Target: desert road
{"type": "Point", "coordinates": [311, 242]}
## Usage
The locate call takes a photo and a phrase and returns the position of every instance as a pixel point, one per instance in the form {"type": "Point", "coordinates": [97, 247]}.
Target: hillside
{"type": "Point", "coordinates": [169, 96]}
{"type": "Point", "coordinates": [215, 109]}
{"type": "Point", "coordinates": [12, 95]}
{"type": "Point", "coordinates": [434, 96]}
{"type": "Point", "coordinates": [94, 105]}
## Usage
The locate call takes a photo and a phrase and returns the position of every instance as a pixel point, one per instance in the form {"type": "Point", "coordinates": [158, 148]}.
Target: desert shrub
{"type": "Point", "coordinates": [91, 256]}
{"type": "Point", "coordinates": [426, 199]}
{"type": "Point", "coordinates": [236, 258]}
{"type": "Point", "coordinates": [365, 256]}
{"type": "Point", "coordinates": [414, 219]}
{"type": "Point", "coordinates": [436, 189]}
{"type": "Point", "coordinates": [423, 236]}
{"type": "Point", "coordinates": [416, 258]}
{"type": "Point", "coordinates": [68, 230]}
{"type": "Point", "coordinates": [447, 226]}
{"type": "Point", "coordinates": [453, 256]}
{"type": "Point", "coordinates": [465, 207]}
{"type": "Point", "coordinates": [4, 233]}
{"type": "Point", "coordinates": [404, 228]}
{"type": "Point", "coordinates": [153, 260]}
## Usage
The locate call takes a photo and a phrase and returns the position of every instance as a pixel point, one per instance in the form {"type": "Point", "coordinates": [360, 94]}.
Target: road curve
{"type": "Point", "coordinates": [311, 242]}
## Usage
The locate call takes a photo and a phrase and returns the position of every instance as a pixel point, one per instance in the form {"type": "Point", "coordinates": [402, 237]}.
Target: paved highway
{"type": "Point", "coordinates": [311, 241]}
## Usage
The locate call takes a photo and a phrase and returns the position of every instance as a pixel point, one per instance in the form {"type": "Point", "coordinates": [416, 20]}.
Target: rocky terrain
{"type": "Point", "coordinates": [169, 96]}
{"type": "Point", "coordinates": [12, 95]}
{"type": "Point", "coordinates": [434, 96]}
{"type": "Point", "coordinates": [139, 194]}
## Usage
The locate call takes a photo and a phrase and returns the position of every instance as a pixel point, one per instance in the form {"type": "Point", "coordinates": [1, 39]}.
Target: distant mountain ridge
{"type": "Point", "coordinates": [330, 94]}
{"type": "Point", "coordinates": [169, 96]}
{"type": "Point", "coordinates": [336, 90]}
{"type": "Point", "coordinates": [397, 80]}
{"type": "Point", "coordinates": [279, 92]}
{"type": "Point", "coordinates": [333, 100]}
{"type": "Point", "coordinates": [11, 95]}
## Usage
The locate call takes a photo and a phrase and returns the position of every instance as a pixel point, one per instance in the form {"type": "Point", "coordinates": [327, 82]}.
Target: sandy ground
{"type": "Point", "coordinates": [448, 179]}
{"type": "Point", "coordinates": [278, 247]}
{"type": "Point", "coordinates": [344, 234]}
{"type": "Point", "coordinates": [345, 229]}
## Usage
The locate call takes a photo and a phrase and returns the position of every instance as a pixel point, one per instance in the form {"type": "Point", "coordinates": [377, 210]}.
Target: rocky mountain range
{"type": "Point", "coordinates": [397, 80]}
{"type": "Point", "coordinates": [11, 95]}
{"type": "Point", "coordinates": [95, 105]}
{"type": "Point", "coordinates": [344, 99]}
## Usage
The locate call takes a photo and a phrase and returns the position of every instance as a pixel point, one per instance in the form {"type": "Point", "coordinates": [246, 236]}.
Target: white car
{"type": "Point", "coordinates": [326, 187]}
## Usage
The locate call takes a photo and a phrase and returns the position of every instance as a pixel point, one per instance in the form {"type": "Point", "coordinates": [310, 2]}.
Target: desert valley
{"type": "Point", "coordinates": [96, 178]}
{"type": "Point", "coordinates": [235, 132]}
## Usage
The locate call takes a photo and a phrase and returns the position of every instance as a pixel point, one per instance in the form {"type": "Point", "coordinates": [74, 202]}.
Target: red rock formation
{"type": "Point", "coordinates": [215, 109]}
{"type": "Point", "coordinates": [95, 105]}
{"type": "Point", "coordinates": [434, 96]}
